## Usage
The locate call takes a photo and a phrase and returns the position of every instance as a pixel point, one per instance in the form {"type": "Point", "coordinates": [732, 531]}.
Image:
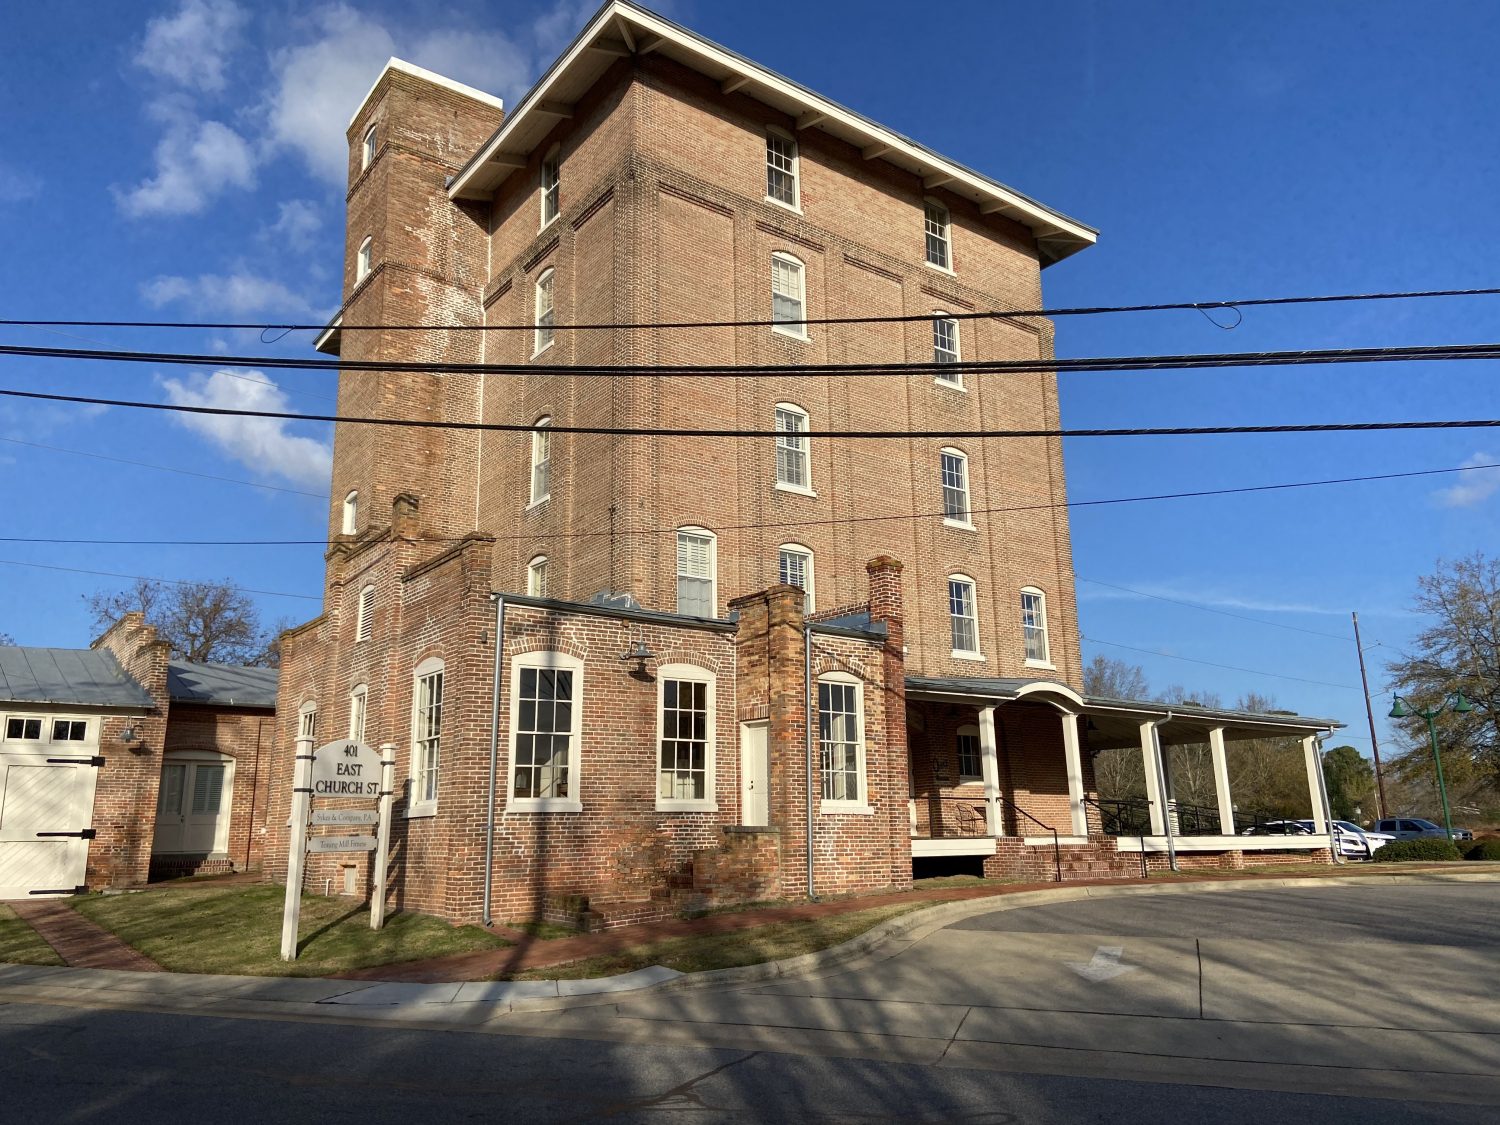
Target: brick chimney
{"type": "Point", "coordinates": [885, 595]}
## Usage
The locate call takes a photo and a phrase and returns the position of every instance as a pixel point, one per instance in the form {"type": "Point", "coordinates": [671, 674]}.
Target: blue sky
{"type": "Point", "coordinates": [185, 160]}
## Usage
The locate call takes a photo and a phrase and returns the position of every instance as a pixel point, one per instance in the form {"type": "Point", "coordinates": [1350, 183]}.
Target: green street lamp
{"type": "Point", "coordinates": [1459, 704]}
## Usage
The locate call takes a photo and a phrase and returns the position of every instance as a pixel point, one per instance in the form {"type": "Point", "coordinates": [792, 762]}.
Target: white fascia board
{"type": "Point", "coordinates": [324, 341]}
{"type": "Point", "coordinates": [425, 75]}
{"type": "Point", "coordinates": [724, 65]}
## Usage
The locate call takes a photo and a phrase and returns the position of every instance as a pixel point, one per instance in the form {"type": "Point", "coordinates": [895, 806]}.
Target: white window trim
{"type": "Point", "coordinates": [949, 521]}
{"type": "Point", "coordinates": [545, 421]}
{"type": "Point", "coordinates": [713, 564]}
{"type": "Point", "coordinates": [360, 692]}
{"type": "Point", "coordinates": [350, 522]}
{"type": "Point", "coordinates": [782, 328]}
{"type": "Point", "coordinates": [554, 157]}
{"type": "Point", "coordinates": [225, 815]}
{"type": "Point", "coordinates": [549, 277]}
{"type": "Point", "coordinates": [310, 707]}
{"type": "Point", "coordinates": [956, 380]}
{"type": "Point", "coordinates": [1046, 661]}
{"type": "Point", "coordinates": [710, 803]}
{"type": "Point", "coordinates": [538, 562]}
{"type": "Point", "coordinates": [367, 149]}
{"type": "Point", "coordinates": [968, 778]}
{"type": "Point", "coordinates": [364, 614]}
{"type": "Point", "coordinates": [364, 259]}
{"type": "Point", "coordinates": [961, 653]}
{"type": "Point", "coordinates": [564, 662]}
{"type": "Point", "coordinates": [807, 553]}
{"type": "Point", "coordinates": [947, 233]}
{"type": "Point", "coordinates": [796, 204]}
{"type": "Point", "coordinates": [416, 807]}
{"type": "Point", "coordinates": [788, 486]}
{"type": "Point", "coordinates": [862, 806]}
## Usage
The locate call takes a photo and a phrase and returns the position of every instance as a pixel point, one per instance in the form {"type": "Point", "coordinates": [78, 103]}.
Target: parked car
{"type": "Point", "coordinates": [1279, 828]}
{"type": "Point", "coordinates": [1415, 828]}
{"type": "Point", "coordinates": [1352, 840]}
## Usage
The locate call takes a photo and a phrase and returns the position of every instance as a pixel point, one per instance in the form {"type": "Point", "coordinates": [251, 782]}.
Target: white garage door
{"type": "Point", "coordinates": [46, 810]}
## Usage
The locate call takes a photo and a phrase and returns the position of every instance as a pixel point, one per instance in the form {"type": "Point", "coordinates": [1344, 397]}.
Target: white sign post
{"type": "Point", "coordinates": [383, 833]}
{"type": "Point", "coordinates": [338, 769]}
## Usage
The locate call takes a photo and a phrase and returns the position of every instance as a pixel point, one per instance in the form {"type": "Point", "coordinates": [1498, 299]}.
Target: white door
{"type": "Point", "coordinates": [755, 775]}
{"type": "Point", "coordinates": [192, 809]}
{"type": "Point", "coordinates": [46, 810]}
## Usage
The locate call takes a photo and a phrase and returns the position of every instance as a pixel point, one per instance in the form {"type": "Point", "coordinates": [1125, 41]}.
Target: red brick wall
{"type": "Point", "coordinates": [247, 737]}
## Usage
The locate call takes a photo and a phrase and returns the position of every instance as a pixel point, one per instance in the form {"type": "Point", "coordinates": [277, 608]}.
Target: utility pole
{"type": "Point", "coordinates": [1370, 714]}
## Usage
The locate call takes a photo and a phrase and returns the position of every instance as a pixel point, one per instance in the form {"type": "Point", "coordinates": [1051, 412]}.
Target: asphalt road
{"type": "Point", "coordinates": [1359, 1004]}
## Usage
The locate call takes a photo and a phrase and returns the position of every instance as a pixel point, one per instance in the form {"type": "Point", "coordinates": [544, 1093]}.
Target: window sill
{"type": "Point", "coordinates": [548, 222]}
{"type": "Point", "coordinates": [959, 525]}
{"type": "Point", "coordinates": [665, 805]}
{"type": "Point", "coordinates": [422, 811]}
{"type": "Point", "coordinates": [971, 781]}
{"type": "Point", "coordinates": [544, 348]}
{"type": "Point", "coordinates": [1045, 665]}
{"type": "Point", "coordinates": [801, 337]}
{"type": "Point", "coordinates": [537, 503]}
{"type": "Point", "coordinates": [940, 269]}
{"type": "Point", "coordinates": [977, 657]}
{"type": "Point", "coordinates": [857, 808]}
{"type": "Point", "coordinates": [794, 208]}
{"type": "Point", "coordinates": [542, 804]}
{"type": "Point", "coordinates": [800, 490]}
{"type": "Point", "coordinates": [951, 384]}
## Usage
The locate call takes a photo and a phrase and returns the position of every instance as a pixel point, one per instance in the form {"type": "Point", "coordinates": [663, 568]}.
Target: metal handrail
{"type": "Point", "coordinates": [1056, 847]}
{"type": "Point", "coordinates": [1145, 870]}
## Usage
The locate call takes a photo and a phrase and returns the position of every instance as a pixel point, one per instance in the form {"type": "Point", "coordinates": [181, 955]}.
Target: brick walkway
{"type": "Point", "coordinates": [79, 942]}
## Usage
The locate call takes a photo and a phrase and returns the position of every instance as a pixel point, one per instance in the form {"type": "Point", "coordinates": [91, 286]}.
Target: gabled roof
{"type": "Point", "coordinates": [621, 29]}
{"type": "Point", "coordinates": [78, 677]}
{"type": "Point", "coordinates": [224, 685]}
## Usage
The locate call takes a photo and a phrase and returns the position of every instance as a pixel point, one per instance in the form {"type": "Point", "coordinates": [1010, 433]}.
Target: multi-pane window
{"type": "Point", "coordinates": [28, 729]}
{"type": "Point", "coordinates": [536, 577]}
{"type": "Point", "coordinates": [551, 178]}
{"type": "Point", "coordinates": [546, 317]}
{"type": "Point", "coordinates": [791, 447]}
{"type": "Point", "coordinates": [1034, 625]}
{"type": "Point", "coordinates": [366, 619]}
{"type": "Point", "coordinates": [541, 461]}
{"type": "Point", "coordinates": [307, 721]}
{"type": "Point", "coordinates": [795, 568]}
{"type": "Point", "coordinates": [839, 742]}
{"type": "Point", "coordinates": [351, 512]}
{"type": "Point", "coordinates": [427, 733]}
{"type": "Point", "coordinates": [781, 169]}
{"type": "Point", "coordinates": [69, 730]}
{"type": "Point", "coordinates": [955, 474]}
{"type": "Point", "coordinates": [695, 573]}
{"type": "Point", "coordinates": [367, 149]}
{"type": "Point", "coordinates": [545, 725]}
{"type": "Point", "coordinates": [939, 231]}
{"type": "Point", "coordinates": [963, 614]}
{"type": "Point", "coordinates": [968, 754]}
{"type": "Point", "coordinates": [357, 700]}
{"type": "Point", "coordinates": [683, 774]}
{"type": "Point", "coordinates": [362, 260]}
{"type": "Point", "coordinates": [788, 296]}
{"type": "Point", "coordinates": [945, 348]}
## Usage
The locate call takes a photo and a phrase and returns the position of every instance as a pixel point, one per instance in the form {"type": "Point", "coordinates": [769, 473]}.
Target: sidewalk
{"type": "Point", "coordinates": [80, 943]}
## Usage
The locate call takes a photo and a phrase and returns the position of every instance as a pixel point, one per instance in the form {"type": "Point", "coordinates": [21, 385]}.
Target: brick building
{"type": "Point", "coordinates": [651, 178]}
{"type": "Point", "coordinates": [119, 764]}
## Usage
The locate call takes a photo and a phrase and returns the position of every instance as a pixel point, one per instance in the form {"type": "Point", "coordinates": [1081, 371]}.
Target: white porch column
{"type": "Point", "coordinates": [1221, 780]}
{"type": "Point", "coordinates": [1073, 755]}
{"type": "Point", "coordinates": [1156, 790]}
{"type": "Point", "coordinates": [989, 771]}
{"type": "Point", "coordinates": [1315, 783]}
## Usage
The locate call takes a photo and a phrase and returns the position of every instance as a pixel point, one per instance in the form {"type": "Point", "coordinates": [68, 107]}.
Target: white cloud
{"type": "Point", "coordinates": [263, 444]}
{"type": "Point", "coordinates": [297, 220]}
{"type": "Point", "coordinates": [235, 294]}
{"type": "Point", "coordinates": [1092, 590]}
{"type": "Point", "coordinates": [196, 160]}
{"type": "Point", "coordinates": [1473, 488]}
{"type": "Point", "coordinates": [191, 46]}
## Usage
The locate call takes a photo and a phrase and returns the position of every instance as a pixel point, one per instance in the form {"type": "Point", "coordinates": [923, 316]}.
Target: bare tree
{"type": "Point", "coordinates": [206, 622]}
{"type": "Point", "coordinates": [1114, 679]}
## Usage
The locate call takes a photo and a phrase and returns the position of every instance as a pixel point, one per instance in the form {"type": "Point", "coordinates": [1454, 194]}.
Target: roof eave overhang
{"type": "Point", "coordinates": [330, 340]}
{"type": "Point", "coordinates": [620, 29]}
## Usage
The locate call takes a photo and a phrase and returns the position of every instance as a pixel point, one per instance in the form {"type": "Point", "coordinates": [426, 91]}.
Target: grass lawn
{"type": "Point", "coordinates": [237, 930]}
{"type": "Point", "coordinates": [20, 944]}
{"type": "Point", "coordinates": [700, 953]}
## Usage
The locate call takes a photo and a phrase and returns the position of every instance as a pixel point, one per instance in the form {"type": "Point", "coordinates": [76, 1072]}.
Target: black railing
{"type": "Point", "coordinates": [1117, 815]}
{"type": "Point", "coordinates": [1056, 847]}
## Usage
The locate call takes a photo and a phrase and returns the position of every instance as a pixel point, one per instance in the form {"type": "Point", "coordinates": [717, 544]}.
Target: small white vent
{"type": "Point", "coordinates": [366, 614]}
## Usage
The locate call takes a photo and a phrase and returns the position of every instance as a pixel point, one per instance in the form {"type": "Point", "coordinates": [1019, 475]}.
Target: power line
{"type": "Point", "coordinates": [653, 431]}
{"type": "Point", "coordinates": [148, 578]}
{"type": "Point", "coordinates": [159, 468]}
{"type": "Point", "coordinates": [803, 524]}
{"type": "Point", "coordinates": [1086, 310]}
{"type": "Point", "coordinates": [1226, 667]}
{"type": "Point", "coordinates": [1207, 609]}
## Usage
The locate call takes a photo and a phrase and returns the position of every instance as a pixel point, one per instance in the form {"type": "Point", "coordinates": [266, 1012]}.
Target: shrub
{"type": "Point", "coordinates": [1418, 850]}
{"type": "Point", "coordinates": [1482, 849]}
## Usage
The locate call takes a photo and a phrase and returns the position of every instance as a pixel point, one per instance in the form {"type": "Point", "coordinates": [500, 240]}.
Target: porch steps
{"type": "Point", "coordinates": [1097, 859]}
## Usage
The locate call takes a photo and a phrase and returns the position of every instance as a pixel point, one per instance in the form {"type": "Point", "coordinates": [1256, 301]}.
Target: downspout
{"type": "Point", "coordinates": [807, 713]}
{"type": "Point", "coordinates": [489, 820]}
{"type": "Point", "coordinates": [1162, 786]}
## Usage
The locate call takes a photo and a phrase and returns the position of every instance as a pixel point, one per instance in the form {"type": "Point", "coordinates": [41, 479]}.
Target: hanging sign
{"type": "Point", "coordinates": [347, 817]}
{"type": "Point", "coordinates": [341, 844]}
{"type": "Point", "coordinates": [345, 769]}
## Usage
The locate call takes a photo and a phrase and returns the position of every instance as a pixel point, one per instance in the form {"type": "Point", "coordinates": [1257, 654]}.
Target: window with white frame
{"type": "Point", "coordinates": [362, 260]}
{"type": "Point", "coordinates": [307, 720]}
{"type": "Point", "coordinates": [945, 348]}
{"type": "Point", "coordinates": [685, 719]}
{"type": "Point", "coordinates": [367, 149]}
{"type": "Point", "coordinates": [541, 460]}
{"type": "Point", "coordinates": [792, 459]}
{"type": "Point", "coordinates": [967, 742]}
{"type": "Point", "coordinates": [696, 566]}
{"type": "Point", "coordinates": [963, 615]}
{"type": "Point", "coordinates": [536, 577]}
{"type": "Point", "coordinates": [358, 698]}
{"type": "Point", "coordinates": [794, 567]}
{"type": "Point", "coordinates": [426, 735]}
{"type": "Point", "coordinates": [546, 317]}
{"type": "Point", "coordinates": [781, 168]}
{"type": "Point", "coordinates": [841, 740]}
{"type": "Point", "coordinates": [955, 475]}
{"type": "Point", "coordinates": [1034, 625]}
{"type": "Point", "coordinates": [788, 296]}
{"type": "Point", "coordinates": [551, 178]}
{"type": "Point", "coordinates": [365, 619]}
{"type": "Point", "coordinates": [545, 715]}
{"type": "Point", "coordinates": [27, 730]}
{"type": "Point", "coordinates": [939, 234]}
{"type": "Point", "coordinates": [351, 512]}
{"type": "Point", "coordinates": [69, 730]}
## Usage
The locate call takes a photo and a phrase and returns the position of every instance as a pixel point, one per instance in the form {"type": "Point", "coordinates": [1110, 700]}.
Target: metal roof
{"type": "Point", "coordinates": [224, 685]}
{"type": "Point", "coordinates": [80, 677]}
